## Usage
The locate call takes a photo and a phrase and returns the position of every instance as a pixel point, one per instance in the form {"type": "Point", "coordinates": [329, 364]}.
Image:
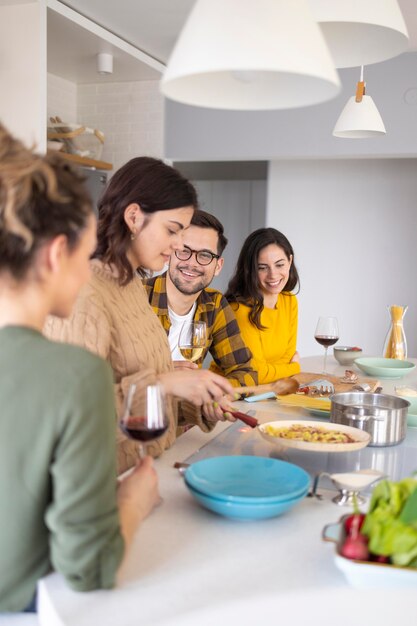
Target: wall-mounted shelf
{"type": "Point", "coordinates": [85, 161]}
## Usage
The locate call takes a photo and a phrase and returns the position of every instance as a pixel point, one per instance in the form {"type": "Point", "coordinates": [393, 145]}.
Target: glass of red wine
{"type": "Point", "coordinates": [148, 424]}
{"type": "Point", "coordinates": [327, 334]}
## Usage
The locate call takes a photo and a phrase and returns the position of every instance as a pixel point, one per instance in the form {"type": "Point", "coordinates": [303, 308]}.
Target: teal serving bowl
{"type": "Point", "coordinates": [245, 511]}
{"type": "Point", "coordinates": [384, 368]}
{"type": "Point", "coordinates": [247, 479]}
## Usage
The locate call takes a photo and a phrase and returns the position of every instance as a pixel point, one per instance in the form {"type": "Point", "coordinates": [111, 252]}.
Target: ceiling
{"type": "Point", "coordinates": [72, 52]}
{"type": "Point", "coordinates": [151, 26]}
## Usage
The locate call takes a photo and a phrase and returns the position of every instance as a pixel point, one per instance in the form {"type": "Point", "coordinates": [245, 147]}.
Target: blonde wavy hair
{"type": "Point", "coordinates": [40, 197]}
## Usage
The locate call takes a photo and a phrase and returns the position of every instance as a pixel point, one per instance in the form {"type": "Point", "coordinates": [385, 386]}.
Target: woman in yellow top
{"type": "Point", "coordinates": [265, 308]}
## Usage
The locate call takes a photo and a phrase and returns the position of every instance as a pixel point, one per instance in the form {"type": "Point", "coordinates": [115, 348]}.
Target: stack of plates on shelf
{"type": "Point", "coordinates": [247, 487]}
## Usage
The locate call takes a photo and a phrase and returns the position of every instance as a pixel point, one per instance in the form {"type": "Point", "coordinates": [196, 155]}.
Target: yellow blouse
{"type": "Point", "coordinates": [272, 348]}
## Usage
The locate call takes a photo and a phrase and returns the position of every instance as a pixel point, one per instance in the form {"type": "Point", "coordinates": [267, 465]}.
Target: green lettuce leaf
{"type": "Point", "coordinates": [391, 523]}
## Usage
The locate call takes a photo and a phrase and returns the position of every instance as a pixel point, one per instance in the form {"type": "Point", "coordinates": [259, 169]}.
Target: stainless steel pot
{"type": "Point", "coordinates": [384, 417]}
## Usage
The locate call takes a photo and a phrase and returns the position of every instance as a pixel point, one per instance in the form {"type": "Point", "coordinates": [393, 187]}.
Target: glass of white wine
{"type": "Point", "coordinates": [192, 342]}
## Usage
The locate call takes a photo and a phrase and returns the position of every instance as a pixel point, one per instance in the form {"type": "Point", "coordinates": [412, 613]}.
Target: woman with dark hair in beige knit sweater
{"type": "Point", "coordinates": [142, 215]}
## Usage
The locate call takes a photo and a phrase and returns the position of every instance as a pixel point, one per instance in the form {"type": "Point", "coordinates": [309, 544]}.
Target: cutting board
{"type": "Point", "coordinates": [304, 378]}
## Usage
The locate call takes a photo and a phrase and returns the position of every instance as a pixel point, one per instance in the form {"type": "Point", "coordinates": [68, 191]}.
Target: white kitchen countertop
{"type": "Point", "coordinates": [190, 566]}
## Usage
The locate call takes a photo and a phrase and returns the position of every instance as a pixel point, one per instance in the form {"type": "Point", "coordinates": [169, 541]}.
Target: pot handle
{"type": "Point", "coordinates": [362, 418]}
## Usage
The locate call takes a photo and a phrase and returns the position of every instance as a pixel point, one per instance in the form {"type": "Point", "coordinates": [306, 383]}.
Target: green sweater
{"type": "Point", "coordinates": [58, 505]}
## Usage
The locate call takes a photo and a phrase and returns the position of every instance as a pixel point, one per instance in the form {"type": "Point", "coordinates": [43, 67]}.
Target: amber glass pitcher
{"type": "Point", "coordinates": [395, 346]}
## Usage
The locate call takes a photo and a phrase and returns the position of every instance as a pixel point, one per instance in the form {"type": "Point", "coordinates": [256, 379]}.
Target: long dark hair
{"type": "Point", "coordinates": [244, 285]}
{"type": "Point", "coordinates": [154, 186]}
{"type": "Point", "coordinates": [41, 197]}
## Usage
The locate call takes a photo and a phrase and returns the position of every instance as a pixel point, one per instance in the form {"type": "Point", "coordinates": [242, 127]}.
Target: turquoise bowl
{"type": "Point", "coordinates": [247, 479]}
{"type": "Point", "coordinates": [384, 368]}
{"type": "Point", "coordinates": [245, 511]}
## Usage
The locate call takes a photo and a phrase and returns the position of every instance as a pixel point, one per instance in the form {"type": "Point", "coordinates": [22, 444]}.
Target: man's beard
{"type": "Point", "coordinates": [187, 289]}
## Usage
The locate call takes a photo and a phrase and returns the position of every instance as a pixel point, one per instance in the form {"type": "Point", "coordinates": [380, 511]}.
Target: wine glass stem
{"type": "Point", "coordinates": [141, 450]}
{"type": "Point", "coordinates": [324, 360]}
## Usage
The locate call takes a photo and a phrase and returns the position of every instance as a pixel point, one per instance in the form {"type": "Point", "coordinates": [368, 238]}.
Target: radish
{"type": "Point", "coordinates": [355, 548]}
{"type": "Point", "coordinates": [355, 545]}
{"type": "Point", "coordinates": [356, 519]}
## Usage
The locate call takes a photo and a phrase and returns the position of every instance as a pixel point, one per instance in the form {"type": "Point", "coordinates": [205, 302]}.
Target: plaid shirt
{"type": "Point", "coordinates": [231, 357]}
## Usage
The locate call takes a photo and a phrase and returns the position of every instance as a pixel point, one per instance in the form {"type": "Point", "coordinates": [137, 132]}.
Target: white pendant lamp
{"type": "Point", "coordinates": [360, 119]}
{"type": "Point", "coordinates": [250, 55]}
{"type": "Point", "coordinates": [361, 32]}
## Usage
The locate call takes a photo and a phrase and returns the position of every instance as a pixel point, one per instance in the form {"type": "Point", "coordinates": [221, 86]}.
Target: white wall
{"type": "Point", "coordinates": [240, 206]}
{"type": "Point", "coordinates": [129, 114]}
{"type": "Point", "coordinates": [61, 98]}
{"type": "Point", "coordinates": [353, 225]}
{"type": "Point", "coordinates": [208, 134]}
{"type": "Point", "coordinates": [23, 71]}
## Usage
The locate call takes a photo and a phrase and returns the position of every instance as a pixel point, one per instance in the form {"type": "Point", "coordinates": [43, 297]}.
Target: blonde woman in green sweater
{"type": "Point", "coordinates": [58, 509]}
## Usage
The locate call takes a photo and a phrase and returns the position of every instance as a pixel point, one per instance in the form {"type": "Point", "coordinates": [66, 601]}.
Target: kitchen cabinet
{"type": "Point", "coordinates": [41, 36]}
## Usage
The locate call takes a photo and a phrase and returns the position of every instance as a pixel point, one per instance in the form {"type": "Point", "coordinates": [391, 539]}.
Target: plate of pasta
{"type": "Point", "coordinates": [314, 436]}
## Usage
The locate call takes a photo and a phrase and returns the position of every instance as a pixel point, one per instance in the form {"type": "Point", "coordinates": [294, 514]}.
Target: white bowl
{"type": "Point", "coordinates": [55, 145]}
{"type": "Point", "coordinates": [366, 574]}
{"type": "Point", "coordinates": [345, 355]}
{"type": "Point", "coordinates": [404, 391]}
{"type": "Point", "coordinates": [360, 437]}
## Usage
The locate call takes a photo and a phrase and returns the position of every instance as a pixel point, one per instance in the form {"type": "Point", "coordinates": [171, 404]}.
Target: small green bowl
{"type": "Point", "coordinates": [384, 368]}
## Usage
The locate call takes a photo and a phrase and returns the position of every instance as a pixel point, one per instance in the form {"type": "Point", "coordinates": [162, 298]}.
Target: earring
{"type": "Point", "coordinates": [133, 234]}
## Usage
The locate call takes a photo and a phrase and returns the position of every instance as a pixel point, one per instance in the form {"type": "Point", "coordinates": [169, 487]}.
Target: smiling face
{"type": "Point", "coordinates": [156, 236]}
{"type": "Point", "coordinates": [189, 277]}
{"type": "Point", "coordinates": [273, 271]}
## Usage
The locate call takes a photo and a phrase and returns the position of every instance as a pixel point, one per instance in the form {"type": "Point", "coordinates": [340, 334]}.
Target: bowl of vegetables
{"type": "Point", "coordinates": [379, 548]}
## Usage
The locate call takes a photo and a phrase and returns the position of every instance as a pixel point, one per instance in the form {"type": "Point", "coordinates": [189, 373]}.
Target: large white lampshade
{"type": "Point", "coordinates": [361, 32]}
{"type": "Point", "coordinates": [250, 55]}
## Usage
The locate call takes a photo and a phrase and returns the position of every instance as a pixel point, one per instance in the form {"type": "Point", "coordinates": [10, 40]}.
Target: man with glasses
{"type": "Point", "coordinates": [181, 295]}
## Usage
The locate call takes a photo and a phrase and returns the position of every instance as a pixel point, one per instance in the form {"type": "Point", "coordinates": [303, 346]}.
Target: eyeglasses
{"type": "Point", "coordinates": [203, 257]}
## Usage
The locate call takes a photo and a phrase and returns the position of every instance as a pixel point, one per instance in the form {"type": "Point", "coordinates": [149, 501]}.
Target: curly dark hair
{"type": "Point", "coordinates": [244, 285]}
{"type": "Point", "coordinates": [40, 197]}
{"type": "Point", "coordinates": [154, 186]}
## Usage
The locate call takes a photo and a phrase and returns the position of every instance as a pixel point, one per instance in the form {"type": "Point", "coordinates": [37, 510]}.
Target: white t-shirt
{"type": "Point", "coordinates": [177, 322]}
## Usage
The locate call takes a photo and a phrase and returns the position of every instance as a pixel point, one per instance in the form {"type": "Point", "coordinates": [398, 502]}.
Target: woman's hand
{"type": "Point", "coordinates": [137, 496]}
{"type": "Point", "coordinates": [197, 386]}
{"type": "Point", "coordinates": [213, 413]}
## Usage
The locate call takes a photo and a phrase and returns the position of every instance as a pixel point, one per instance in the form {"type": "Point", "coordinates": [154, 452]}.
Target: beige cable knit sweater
{"type": "Point", "coordinates": [118, 324]}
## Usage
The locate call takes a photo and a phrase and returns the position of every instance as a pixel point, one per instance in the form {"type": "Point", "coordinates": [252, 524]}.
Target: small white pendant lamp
{"type": "Point", "coordinates": [250, 55]}
{"type": "Point", "coordinates": [360, 119]}
{"type": "Point", "coordinates": [361, 32]}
